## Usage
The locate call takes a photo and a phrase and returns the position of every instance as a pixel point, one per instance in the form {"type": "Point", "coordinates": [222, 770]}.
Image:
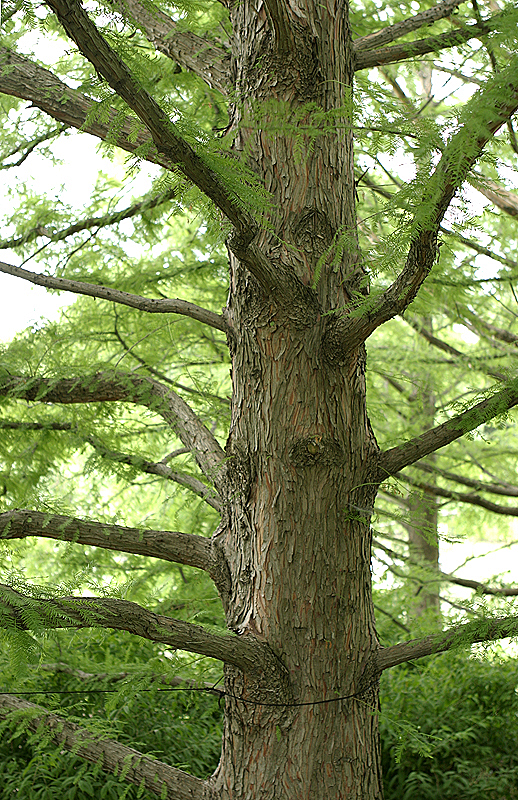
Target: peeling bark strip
{"type": "Point", "coordinates": [137, 768]}
{"type": "Point", "coordinates": [149, 305]}
{"type": "Point", "coordinates": [103, 387]}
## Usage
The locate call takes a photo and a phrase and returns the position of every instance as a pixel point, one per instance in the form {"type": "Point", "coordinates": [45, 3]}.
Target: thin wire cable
{"type": "Point", "coordinates": [220, 693]}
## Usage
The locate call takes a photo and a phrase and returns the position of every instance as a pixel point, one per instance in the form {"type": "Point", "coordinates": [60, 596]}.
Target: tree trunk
{"type": "Point", "coordinates": [297, 537]}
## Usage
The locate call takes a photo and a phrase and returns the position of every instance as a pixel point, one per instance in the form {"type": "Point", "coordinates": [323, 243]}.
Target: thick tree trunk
{"type": "Point", "coordinates": [299, 496]}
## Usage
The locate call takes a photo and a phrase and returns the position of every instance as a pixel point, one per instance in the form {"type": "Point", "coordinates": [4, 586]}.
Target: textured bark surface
{"type": "Point", "coordinates": [297, 536]}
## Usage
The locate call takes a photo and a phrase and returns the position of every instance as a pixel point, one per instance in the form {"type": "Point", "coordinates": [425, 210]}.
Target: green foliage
{"type": "Point", "coordinates": [449, 729]}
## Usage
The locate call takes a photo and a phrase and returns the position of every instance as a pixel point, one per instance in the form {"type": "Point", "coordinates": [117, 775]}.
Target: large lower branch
{"type": "Point", "coordinates": [138, 769]}
{"type": "Point", "coordinates": [393, 460]}
{"type": "Point", "coordinates": [126, 387]}
{"type": "Point", "coordinates": [149, 305]}
{"type": "Point", "coordinates": [469, 633]}
{"type": "Point", "coordinates": [31, 613]}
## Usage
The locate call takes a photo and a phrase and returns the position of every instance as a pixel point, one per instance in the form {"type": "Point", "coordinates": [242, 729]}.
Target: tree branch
{"type": "Point", "coordinates": [505, 200]}
{"type": "Point", "coordinates": [498, 333]}
{"type": "Point", "coordinates": [157, 468]}
{"type": "Point", "coordinates": [89, 222]}
{"type": "Point", "coordinates": [484, 114]}
{"type": "Point", "coordinates": [392, 32]}
{"type": "Point", "coordinates": [31, 613]}
{"type": "Point", "coordinates": [439, 577]}
{"type": "Point", "coordinates": [469, 633]}
{"type": "Point", "coordinates": [191, 52]}
{"type": "Point", "coordinates": [452, 351]}
{"type": "Point", "coordinates": [79, 27]}
{"type": "Point", "coordinates": [126, 387]}
{"type": "Point", "coordinates": [137, 768]}
{"type": "Point", "coordinates": [29, 148]}
{"type": "Point", "coordinates": [20, 77]}
{"type": "Point", "coordinates": [366, 59]}
{"type": "Point", "coordinates": [395, 459]}
{"type": "Point", "coordinates": [501, 488]}
{"type": "Point", "coordinates": [181, 548]}
{"type": "Point", "coordinates": [149, 305]}
{"type": "Point", "coordinates": [463, 497]}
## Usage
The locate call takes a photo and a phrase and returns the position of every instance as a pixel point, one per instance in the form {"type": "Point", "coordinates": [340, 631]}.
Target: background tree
{"type": "Point", "coordinates": [249, 114]}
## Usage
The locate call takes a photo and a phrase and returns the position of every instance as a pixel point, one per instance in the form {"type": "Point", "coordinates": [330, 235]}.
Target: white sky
{"type": "Point", "coordinates": [23, 303]}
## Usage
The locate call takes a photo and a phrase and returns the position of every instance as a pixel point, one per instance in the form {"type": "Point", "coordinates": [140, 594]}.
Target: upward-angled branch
{"type": "Point", "coordinates": [95, 48]}
{"type": "Point", "coordinates": [30, 613]}
{"type": "Point", "coordinates": [89, 223]}
{"type": "Point", "coordinates": [147, 304]}
{"type": "Point", "coordinates": [393, 460]}
{"type": "Point", "coordinates": [78, 25]}
{"type": "Point", "coordinates": [485, 113]}
{"type": "Point", "coordinates": [393, 32]}
{"type": "Point", "coordinates": [125, 387]}
{"type": "Point", "coordinates": [137, 768]}
{"type": "Point", "coordinates": [479, 631]}
{"type": "Point", "coordinates": [204, 58]}
{"type": "Point", "coordinates": [21, 77]}
{"type": "Point", "coordinates": [366, 59]}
